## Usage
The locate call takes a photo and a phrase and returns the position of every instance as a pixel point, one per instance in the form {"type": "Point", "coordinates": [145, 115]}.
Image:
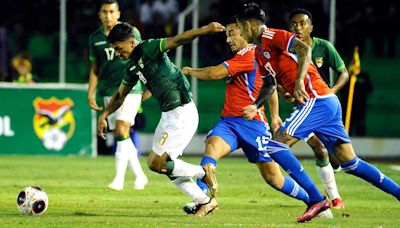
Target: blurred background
{"type": "Point", "coordinates": [32, 29]}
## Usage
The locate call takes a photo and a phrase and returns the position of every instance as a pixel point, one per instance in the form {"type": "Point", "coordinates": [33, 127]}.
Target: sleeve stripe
{"type": "Point", "coordinates": [162, 45]}
{"type": "Point", "coordinates": [226, 65]}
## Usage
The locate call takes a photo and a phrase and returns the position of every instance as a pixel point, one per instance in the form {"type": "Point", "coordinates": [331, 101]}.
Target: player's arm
{"type": "Point", "coordinates": [188, 36]}
{"type": "Point", "coordinates": [93, 80]}
{"type": "Point", "coordinates": [303, 52]}
{"type": "Point", "coordinates": [267, 89]}
{"type": "Point", "coordinates": [207, 73]}
{"type": "Point", "coordinates": [116, 101]}
{"type": "Point", "coordinates": [342, 79]}
{"type": "Point", "coordinates": [273, 104]}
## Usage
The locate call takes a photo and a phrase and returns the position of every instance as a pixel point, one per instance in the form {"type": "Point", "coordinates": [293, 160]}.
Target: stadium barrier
{"type": "Point", "coordinates": [46, 119]}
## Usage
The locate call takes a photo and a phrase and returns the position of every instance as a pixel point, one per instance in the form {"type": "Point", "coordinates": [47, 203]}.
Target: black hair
{"type": "Point", "coordinates": [120, 32]}
{"type": "Point", "coordinates": [230, 20]}
{"type": "Point", "coordinates": [108, 2]}
{"type": "Point", "coordinates": [252, 11]}
{"type": "Point", "coordinates": [300, 11]}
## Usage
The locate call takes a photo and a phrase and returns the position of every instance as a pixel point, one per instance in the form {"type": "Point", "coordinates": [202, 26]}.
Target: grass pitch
{"type": "Point", "coordinates": [78, 197]}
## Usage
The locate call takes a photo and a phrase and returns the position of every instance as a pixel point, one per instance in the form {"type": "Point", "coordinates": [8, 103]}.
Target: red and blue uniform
{"type": "Point", "coordinates": [321, 113]}
{"type": "Point", "coordinates": [243, 86]}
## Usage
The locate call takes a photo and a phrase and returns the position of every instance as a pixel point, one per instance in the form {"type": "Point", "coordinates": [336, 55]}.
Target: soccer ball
{"type": "Point", "coordinates": [32, 200]}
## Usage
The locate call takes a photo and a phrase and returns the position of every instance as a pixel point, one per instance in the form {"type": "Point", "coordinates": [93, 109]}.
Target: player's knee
{"type": "Point", "coordinates": [153, 163]}
{"type": "Point", "coordinates": [156, 163]}
{"type": "Point", "coordinates": [122, 128]}
{"type": "Point", "coordinates": [318, 147]}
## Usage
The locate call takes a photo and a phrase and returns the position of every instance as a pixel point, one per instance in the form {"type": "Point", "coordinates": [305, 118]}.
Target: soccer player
{"type": "Point", "coordinates": [233, 131]}
{"type": "Point", "coordinates": [324, 56]}
{"type": "Point", "coordinates": [108, 70]}
{"type": "Point", "coordinates": [148, 62]}
{"type": "Point", "coordinates": [286, 58]}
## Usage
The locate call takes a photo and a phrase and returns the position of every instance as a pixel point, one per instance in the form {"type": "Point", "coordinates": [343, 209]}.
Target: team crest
{"type": "Point", "coordinates": [53, 121]}
{"type": "Point", "coordinates": [267, 55]}
{"type": "Point", "coordinates": [319, 61]}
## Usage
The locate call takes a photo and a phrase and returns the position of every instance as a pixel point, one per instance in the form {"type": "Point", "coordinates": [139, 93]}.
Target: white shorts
{"type": "Point", "coordinates": [175, 130]}
{"type": "Point", "coordinates": [127, 111]}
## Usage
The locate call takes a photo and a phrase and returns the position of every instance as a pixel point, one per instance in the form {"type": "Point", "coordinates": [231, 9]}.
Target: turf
{"type": "Point", "coordinates": [78, 197]}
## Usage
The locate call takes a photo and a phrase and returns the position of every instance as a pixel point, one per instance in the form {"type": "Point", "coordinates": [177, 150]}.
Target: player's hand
{"type": "Point", "coordinates": [186, 70]}
{"type": "Point", "coordinates": [276, 123]}
{"type": "Point", "coordinates": [213, 27]}
{"type": "Point", "coordinates": [300, 93]}
{"type": "Point", "coordinates": [249, 112]}
{"type": "Point", "coordinates": [102, 126]}
{"type": "Point", "coordinates": [93, 104]}
{"type": "Point", "coordinates": [288, 98]}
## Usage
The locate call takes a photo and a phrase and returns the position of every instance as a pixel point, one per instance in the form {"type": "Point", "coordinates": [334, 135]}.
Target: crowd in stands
{"type": "Point", "coordinates": [32, 27]}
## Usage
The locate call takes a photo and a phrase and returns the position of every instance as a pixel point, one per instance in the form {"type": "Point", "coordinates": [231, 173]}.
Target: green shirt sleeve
{"type": "Point", "coordinates": [154, 48]}
{"type": "Point", "coordinates": [335, 61]}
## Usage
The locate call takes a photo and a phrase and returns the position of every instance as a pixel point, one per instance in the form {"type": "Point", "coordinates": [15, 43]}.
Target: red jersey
{"type": "Point", "coordinates": [243, 83]}
{"type": "Point", "coordinates": [275, 59]}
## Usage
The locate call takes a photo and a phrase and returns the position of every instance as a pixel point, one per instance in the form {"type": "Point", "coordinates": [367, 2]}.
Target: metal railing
{"type": "Point", "coordinates": [194, 9]}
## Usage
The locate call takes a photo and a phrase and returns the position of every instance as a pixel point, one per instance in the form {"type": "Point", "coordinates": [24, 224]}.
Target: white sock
{"type": "Point", "coordinates": [133, 161]}
{"type": "Point", "coordinates": [184, 169]}
{"type": "Point", "coordinates": [121, 162]}
{"type": "Point", "coordinates": [191, 189]}
{"type": "Point", "coordinates": [328, 179]}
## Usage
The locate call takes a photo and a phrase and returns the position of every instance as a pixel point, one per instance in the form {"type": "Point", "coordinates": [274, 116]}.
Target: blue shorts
{"type": "Point", "coordinates": [252, 136]}
{"type": "Point", "coordinates": [323, 116]}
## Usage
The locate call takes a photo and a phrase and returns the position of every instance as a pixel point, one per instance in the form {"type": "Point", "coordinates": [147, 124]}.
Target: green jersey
{"type": "Point", "coordinates": [112, 69]}
{"type": "Point", "coordinates": [150, 64]}
{"type": "Point", "coordinates": [324, 55]}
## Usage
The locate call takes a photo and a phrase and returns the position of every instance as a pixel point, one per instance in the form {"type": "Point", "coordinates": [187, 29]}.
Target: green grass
{"type": "Point", "coordinates": [78, 197]}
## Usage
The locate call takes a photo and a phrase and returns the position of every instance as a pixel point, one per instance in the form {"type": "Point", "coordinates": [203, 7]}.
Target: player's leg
{"type": "Point", "coordinates": [125, 116]}
{"type": "Point", "coordinates": [172, 135]}
{"type": "Point", "coordinates": [337, 140]}
{"type": "Point", "coordinates": [325, 170]}
{"type": "Point", "coordinates": [335, 163]}
{"type": "Point", "coordinates": [304, 120]}
{"type": "Point", "coordinates": [353, 165]}
{"type": "Point", "coordinates": [220, 141]}
{"type": "Point", "coordinates": [121, 156]}
{"type": "Point", "coordinates": [279, 150]}
{"type": "Point", "coordinates": [271, 173]}
{"type": "Point", "coordinates": [216, 148]}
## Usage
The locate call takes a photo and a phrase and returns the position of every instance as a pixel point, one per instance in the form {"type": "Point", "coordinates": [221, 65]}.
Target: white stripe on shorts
{"type": "Point", "coordinates": [300, 117]}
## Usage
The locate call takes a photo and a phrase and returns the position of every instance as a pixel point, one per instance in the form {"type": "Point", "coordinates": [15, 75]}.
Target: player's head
{"type": "Point", "coordinates": [249, 19]}
{"type": "Point", "coordinates": [109, 12]}
{"type": "Point", "coordinates": [233, 36]}
{"type": "Point", "coordinates": [300, 22]}
{"type": "Point", "coordinates": [121, 38]}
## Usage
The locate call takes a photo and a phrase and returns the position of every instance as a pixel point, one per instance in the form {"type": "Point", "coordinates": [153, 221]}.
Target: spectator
{"type": "Point", "coordinates": [23, 66]}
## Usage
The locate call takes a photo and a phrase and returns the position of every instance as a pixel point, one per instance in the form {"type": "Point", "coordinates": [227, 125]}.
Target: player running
{"type": "Point", "coordinates": [284, 57]}
{"type": "Point", "coordinates": [324, 56]}
{"type": "Point", "coordinates": [233, 131]}
{"type": "Point", "coordinates": [148, 62]}
{"type": "Point", "coordinates": [107, 71]}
